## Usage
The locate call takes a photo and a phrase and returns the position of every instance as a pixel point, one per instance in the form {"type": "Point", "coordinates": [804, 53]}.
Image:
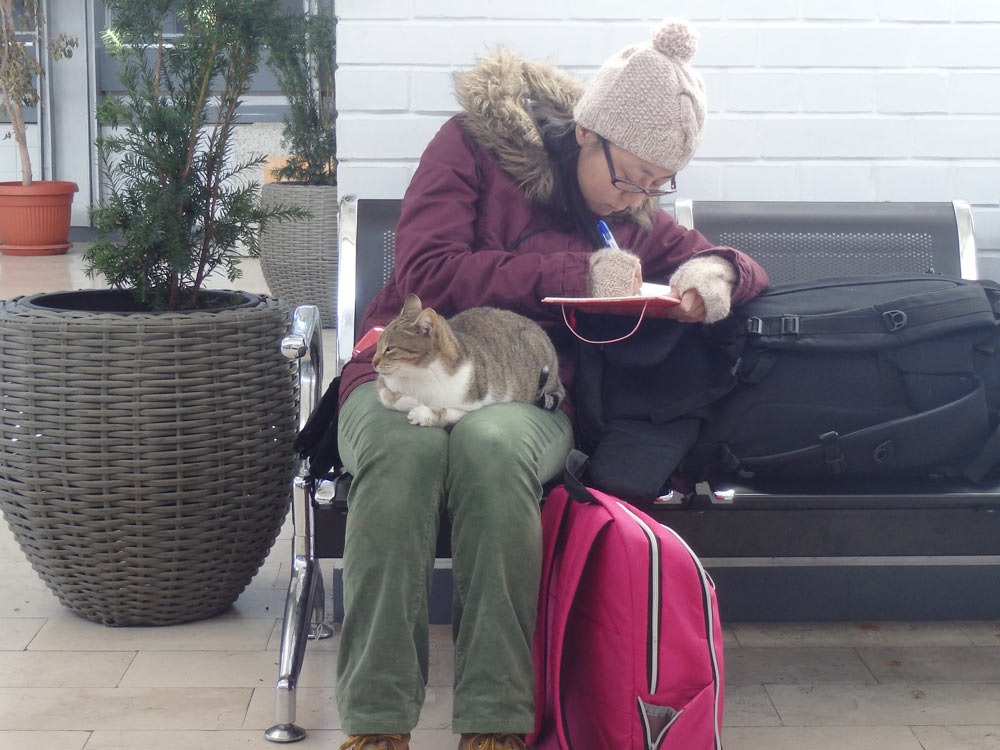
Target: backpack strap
{"type": "Point", "coordinates": [899, 321]}
{"type": "Point", "coordinates": [891, 445]}
{"type": "Point", "coordinates": [576, 462]}
{"type": "Point", "coordinates": [568, 534]}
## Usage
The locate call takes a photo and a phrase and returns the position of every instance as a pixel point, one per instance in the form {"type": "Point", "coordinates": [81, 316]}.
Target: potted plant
{"type": "Point", "coordinates": [34, 215]}
{"type": "Point", "coordinates": [147, 428]}
{"type": "Point", "coordinates": [299, 257]}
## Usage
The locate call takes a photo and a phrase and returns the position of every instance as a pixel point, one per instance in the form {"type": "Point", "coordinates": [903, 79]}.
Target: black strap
{"type": "Point", "coordinates": [317, 440]}
{"type": "Point", "coordinates": [576, 462]}
{"type": "Point", "coordinates": [915, 316]}
{"type": "Point", "coordinates": [964, 421]}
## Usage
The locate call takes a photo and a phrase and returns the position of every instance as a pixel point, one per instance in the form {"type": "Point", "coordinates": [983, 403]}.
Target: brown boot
{"type": "Point", "coordinates": [377, 742]}
{"type": "Point", "coordinates": [492, 742]}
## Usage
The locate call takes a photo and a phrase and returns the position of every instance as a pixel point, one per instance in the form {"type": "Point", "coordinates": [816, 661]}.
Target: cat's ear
{"type": "Point", "coordinates": [426, 320]}
{"type": "Point", "coordinates": [411, 307]}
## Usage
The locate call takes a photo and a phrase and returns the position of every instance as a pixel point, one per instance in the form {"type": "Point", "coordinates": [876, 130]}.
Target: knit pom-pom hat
{"type": "Point", "coordinates": [648, 100]}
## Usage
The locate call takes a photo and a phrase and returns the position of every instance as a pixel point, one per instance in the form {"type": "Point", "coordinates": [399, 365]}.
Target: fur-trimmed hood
{"type": "Point", "coordinates": [498, 96]}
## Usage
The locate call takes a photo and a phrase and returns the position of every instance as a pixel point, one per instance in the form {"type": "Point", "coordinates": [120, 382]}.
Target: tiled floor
{"type": "Point", "coordinates": [68, 684]}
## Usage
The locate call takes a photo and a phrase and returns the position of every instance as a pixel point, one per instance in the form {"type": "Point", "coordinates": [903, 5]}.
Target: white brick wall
{"type": "Point", "coordinates": [10, 158]}
{"type": "Point", "coordinates": [809, 99]}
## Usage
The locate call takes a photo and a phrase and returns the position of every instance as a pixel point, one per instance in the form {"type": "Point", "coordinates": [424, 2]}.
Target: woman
{"type": "Point", "coordinates": [503, 211]}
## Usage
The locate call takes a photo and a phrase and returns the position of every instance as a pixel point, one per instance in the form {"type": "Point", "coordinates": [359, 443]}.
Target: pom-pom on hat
{"type": "Point", "coordinates": [648, 100]}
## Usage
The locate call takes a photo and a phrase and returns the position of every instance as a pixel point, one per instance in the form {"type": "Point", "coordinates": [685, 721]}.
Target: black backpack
{"type": "Point", "coordinates": [887, 375]}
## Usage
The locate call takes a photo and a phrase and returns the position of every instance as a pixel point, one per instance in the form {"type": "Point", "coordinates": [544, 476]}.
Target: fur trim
{"type": "Point", "coordinates": [497, 96]}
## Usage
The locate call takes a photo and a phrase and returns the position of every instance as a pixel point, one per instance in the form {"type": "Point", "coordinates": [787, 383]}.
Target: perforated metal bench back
{"type": "Point", "coordinates": [376, 251]}
{"type": "Point", "coordinates": [800, 240]}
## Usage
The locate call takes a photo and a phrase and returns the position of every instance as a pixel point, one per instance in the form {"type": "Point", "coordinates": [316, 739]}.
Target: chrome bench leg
{"type": "Point", "coordinates": [299, 607]}
{"type": "Point", "coordinates": [319, 628]}
{"type": "Point", "coordinates": [305, 599]}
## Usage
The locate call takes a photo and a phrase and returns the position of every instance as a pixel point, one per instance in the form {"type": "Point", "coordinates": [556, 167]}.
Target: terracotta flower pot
{"type": "Point", "coordinates": [34, 220]}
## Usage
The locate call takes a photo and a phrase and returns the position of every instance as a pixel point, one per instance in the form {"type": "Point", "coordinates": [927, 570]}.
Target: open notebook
{"type": "Point", "coordinates": [653, 299]}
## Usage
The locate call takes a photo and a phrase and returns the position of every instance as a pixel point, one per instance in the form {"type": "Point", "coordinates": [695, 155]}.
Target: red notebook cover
{"type": "Point", "coordinates": [655, 306]}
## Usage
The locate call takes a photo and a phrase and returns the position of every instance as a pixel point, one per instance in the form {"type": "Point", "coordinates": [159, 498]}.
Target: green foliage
{"type": "Point", "coordinates": [302, 58]}
{"type": "Point", "coordinates": [21, 23]}
{"type": "Point", "coordinates": [177, 206]}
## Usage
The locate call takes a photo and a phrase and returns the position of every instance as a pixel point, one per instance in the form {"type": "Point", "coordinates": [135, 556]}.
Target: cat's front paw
{"type": "Point", "coordinates": [550, 401]}
{"type": "Point", "coordinates": [392, 400]}
{"type": "Point", "coordinates": [423, 416]}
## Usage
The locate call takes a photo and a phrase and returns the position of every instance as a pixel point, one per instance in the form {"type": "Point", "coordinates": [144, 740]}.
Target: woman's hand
{"type": "Point", "coordinates": [690, 310]}
{"type": "Point", "coordinates": [614, 273]}
{"type": "Point", "coordinates": [705, 285]}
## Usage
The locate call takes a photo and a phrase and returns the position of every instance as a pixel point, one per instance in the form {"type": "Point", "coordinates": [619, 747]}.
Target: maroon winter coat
{"type": "Point", "coordinates": [476, 228]}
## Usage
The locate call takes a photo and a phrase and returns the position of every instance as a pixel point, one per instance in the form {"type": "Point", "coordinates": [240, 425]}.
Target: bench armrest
{"type": "Point", "coordinates": [304, 343]}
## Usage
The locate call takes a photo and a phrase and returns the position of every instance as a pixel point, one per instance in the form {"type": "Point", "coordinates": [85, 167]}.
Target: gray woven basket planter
{"type": "Point", "coordinates": [147, 458]}
{"type": "Point", "coordinates": [298, 257]}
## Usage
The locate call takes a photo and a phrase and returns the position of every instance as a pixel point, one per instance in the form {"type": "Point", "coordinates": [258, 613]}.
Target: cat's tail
{"type": "Point", "coordinates": [550, 390]}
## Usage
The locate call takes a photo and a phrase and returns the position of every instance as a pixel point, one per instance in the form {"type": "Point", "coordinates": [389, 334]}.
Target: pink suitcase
{"type": "Point", "coordinates": [628, 647]}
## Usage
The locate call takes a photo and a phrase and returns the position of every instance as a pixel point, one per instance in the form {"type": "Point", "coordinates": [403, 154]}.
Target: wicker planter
{"type": "Point", "coordinates": [146, 459]}
{"type": "Point", "coordinates": [298, 257]}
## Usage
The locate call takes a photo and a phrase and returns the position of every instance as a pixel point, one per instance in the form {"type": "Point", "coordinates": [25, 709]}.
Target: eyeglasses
{"type": "Point", "coordinates": [627, 186]}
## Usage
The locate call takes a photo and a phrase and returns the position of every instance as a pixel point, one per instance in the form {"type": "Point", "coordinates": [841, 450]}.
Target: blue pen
{"type": "Point", "coordinates": [609, 239]}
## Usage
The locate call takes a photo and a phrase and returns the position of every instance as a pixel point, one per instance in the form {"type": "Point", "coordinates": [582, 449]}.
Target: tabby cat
{"type": "Point", "coordinates": [438, 370]}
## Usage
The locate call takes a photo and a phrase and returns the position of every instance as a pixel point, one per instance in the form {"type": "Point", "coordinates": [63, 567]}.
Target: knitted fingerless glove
{"type": "Point", "coordinates": [713, 277]}
{"type": "Point", "coordinates": [612, 273]}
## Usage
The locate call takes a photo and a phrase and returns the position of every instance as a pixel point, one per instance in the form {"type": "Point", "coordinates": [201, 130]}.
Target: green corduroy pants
{"type": "Point", "coordinates": [487, 472]}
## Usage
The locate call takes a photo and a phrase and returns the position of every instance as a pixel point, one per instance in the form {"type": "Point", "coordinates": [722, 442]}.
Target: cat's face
{"type": "Point", "coordinates": [408, 339]}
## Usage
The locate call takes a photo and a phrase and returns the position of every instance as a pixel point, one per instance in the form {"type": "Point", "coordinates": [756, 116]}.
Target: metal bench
{"type": "Point", "coordinates": [778, 551]}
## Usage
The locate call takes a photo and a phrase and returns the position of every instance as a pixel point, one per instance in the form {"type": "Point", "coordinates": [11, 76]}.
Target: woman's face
{"type": "Point", "coordinates": [594, 176]}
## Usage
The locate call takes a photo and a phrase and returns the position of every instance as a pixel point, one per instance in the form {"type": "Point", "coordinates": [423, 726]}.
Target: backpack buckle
{"type": "Point", "coordinates": [755, 326]}
{"type": "Point", "coordinates": [789, 324]}
{"type": "Point", "coordinates": [894, 319]}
